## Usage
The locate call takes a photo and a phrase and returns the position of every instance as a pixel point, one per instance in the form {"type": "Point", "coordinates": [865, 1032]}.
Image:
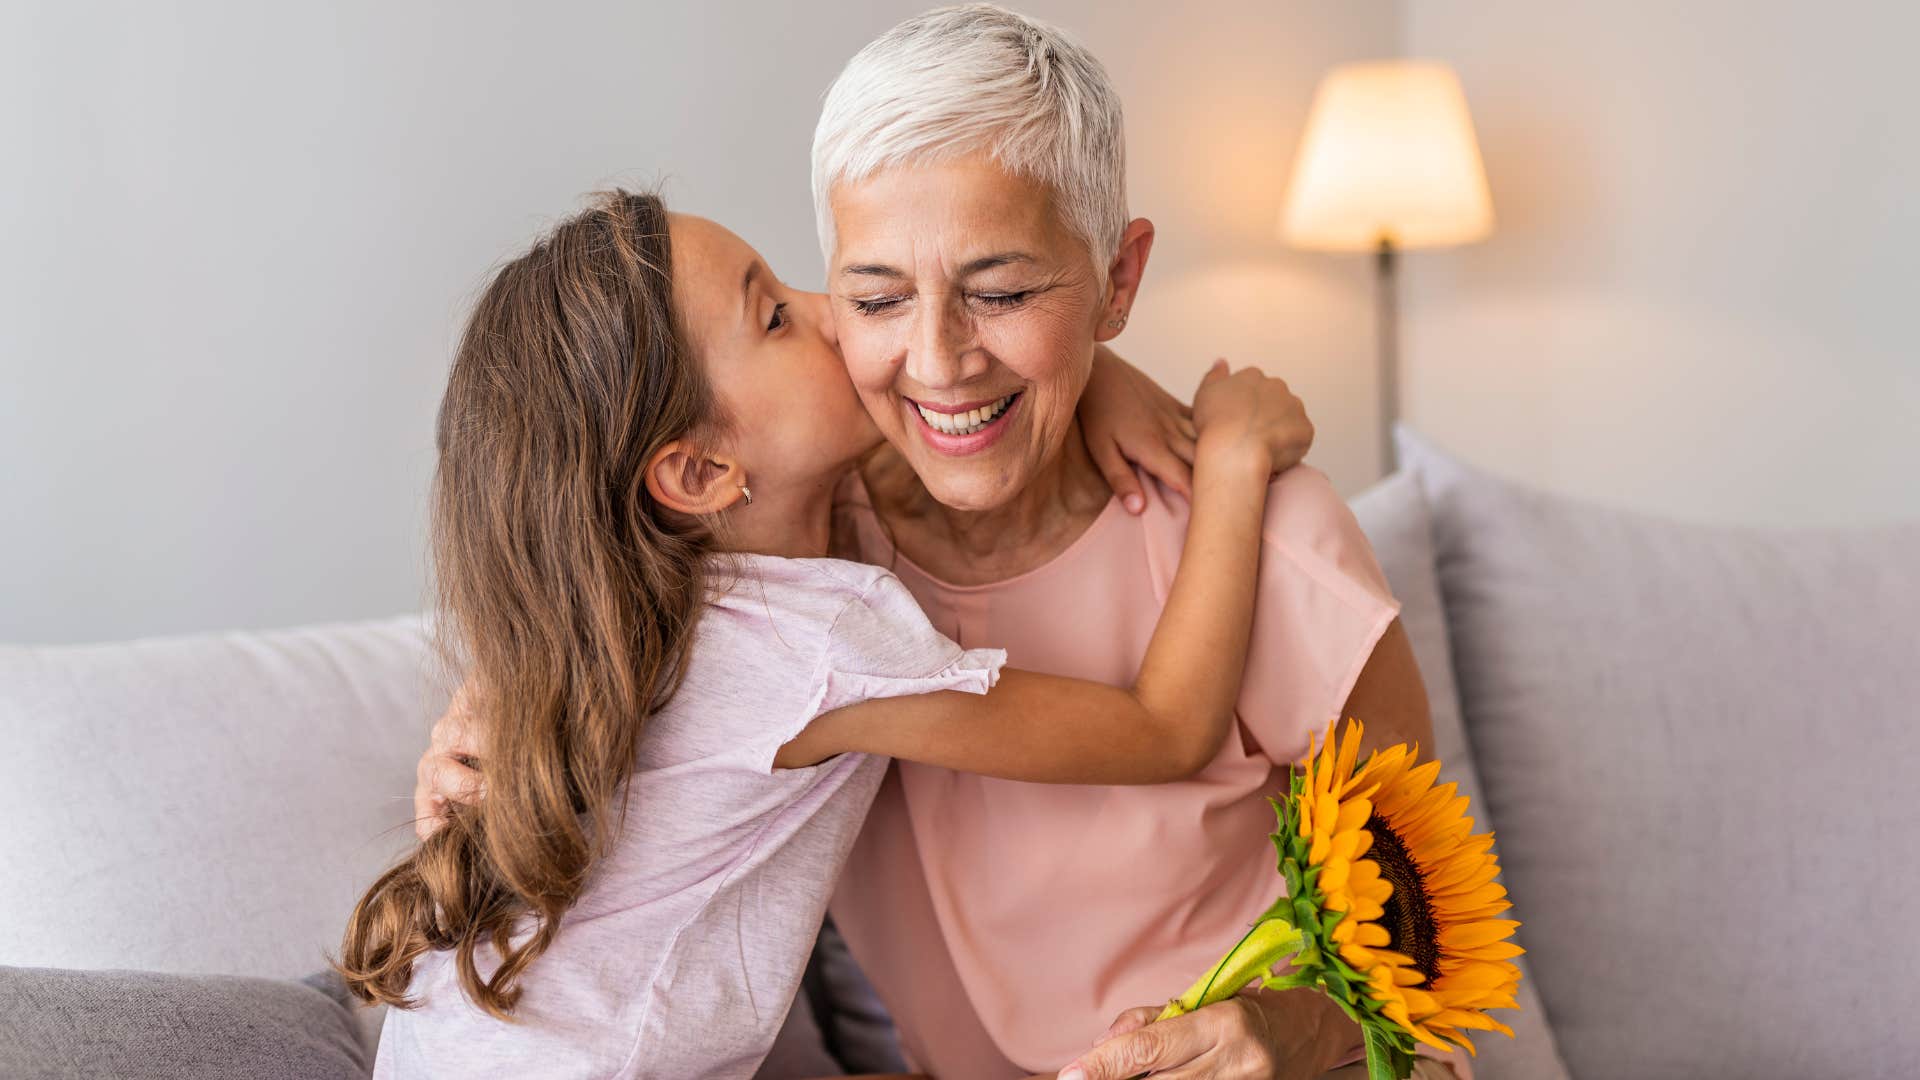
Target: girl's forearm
{"type": "Point", "coordinates": [1191, 675]}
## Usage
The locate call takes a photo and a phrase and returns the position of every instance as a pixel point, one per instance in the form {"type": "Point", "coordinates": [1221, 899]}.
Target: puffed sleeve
{"type": "Point", "coordinates": [881, 646]}
{"type": "Point", "coordinates": [1322, 607]}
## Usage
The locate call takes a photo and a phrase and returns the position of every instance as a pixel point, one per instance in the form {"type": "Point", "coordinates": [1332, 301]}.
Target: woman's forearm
{"type": "Point", "coordinates": [1390, 697]}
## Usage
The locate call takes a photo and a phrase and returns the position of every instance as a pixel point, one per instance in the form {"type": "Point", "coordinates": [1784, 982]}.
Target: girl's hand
{"type": "Point", "coordinates": [1248, 416]}
{"type": "Point", "coordinates": [446, 773]}
{"type": "Point", "coordinates": [1127, 419]}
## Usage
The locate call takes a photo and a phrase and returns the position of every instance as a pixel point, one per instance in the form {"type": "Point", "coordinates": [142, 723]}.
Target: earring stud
{"type": "Point", "coordinates": [746, 494]}
{"type": "Point", "coordinates": [1119, 322]}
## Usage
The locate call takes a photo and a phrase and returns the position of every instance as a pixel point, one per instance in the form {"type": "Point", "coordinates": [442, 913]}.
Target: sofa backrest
{"type": "Point", "coordinates": [1698, 747]}
{"type": "Point", "coordinates": [1395, 517]}
{"type": "Point", "coordinates": [205, 804]}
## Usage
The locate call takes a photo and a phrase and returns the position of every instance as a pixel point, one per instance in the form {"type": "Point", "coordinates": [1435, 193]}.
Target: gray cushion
{"type": "Point", "coordinates": [134, 1025]}
{"type": "Point", "coordinates": [208, 803]}
{"type": "Point", "coordinates": [837, 1025]}
{"type": "Point", "coordinates": [1699, 744]}
{"type": "Point", "coordinates": [1394, 515]}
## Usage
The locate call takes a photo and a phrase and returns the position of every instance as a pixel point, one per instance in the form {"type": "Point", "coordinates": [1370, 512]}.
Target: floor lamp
{"type": "Point", "coordinates": [1388, 162]}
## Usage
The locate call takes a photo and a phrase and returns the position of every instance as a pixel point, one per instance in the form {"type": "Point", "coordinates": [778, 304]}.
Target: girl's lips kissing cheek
{"type": "Point", "coordinates": [963, 429]}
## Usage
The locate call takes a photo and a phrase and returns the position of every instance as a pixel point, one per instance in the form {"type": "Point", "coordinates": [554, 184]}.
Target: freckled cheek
{"type": "Point", "coordinates": [872, 362]}
{"type": "Point", "coordinates": [872, 375]}
{"type": "Point", "coordinates": [1047, 358]}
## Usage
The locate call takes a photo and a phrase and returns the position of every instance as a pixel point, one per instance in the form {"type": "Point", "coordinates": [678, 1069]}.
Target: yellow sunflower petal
{"type": "Point", "coordinates": [1371, 934]}
{"type": "Point", "coordinates": [1385, 765]}
{"type": "Point", "coordinates": [1475, 977]}
{"type": "Point", "coordinates": [1358, 957]}
{"type": "Point", "coordinates": [1323, 769]}
{"type": "Point", "coordinates": [1494, 950]}
{"type": "Point", "coordinates": [1411, 784]}
{"type": "Point", "coordinates": [1473, 935]}
{"type": "Point", "coordinates": [1465, 1043]}
{"type": "Point", "coordinates": [1352, 845]}
{"type": "Point", "coordinates": [1466, 875]}
{"type": "Point", "coordinates": [1406, 976]}
{"type": "Point", "coordinates": [1473, 1021]}
{"type": "Point", "coordinates": [1427, 1037]}
{"type": "Point", "coordinates": [1333, 874]}
{"type": "Point", "coordinates": [1353, 815]}
{"type": "Point", "coordinates": [1349, 751]}
{"type": "Point", "coordinates": [1489, 893]}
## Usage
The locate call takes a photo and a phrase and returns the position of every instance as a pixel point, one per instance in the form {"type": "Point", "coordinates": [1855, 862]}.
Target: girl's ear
{"type": "Point", "coordinates": [689, 483]}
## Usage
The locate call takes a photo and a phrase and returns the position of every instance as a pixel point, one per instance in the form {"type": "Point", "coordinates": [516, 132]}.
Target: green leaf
{"type": "Point", "coordinates": [1282, 909]}
{"type": "Point", "coordinates": [1329, 920]}
{"type": "Point", "coordinates": [1346, 969]}
{"type": "Point", "coordinates": [1383, 1062]}
{"type": "Point", "coordinates": [1304, 914]}
{"type": "Point", "coordinates": [1290, 872]}
{"type": "Point", "coordinates": [1336, 985]}
{"type": "Point", "coordinates": [1292, 980]}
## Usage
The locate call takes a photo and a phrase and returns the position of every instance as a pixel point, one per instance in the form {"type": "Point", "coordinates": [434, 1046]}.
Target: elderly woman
{"type": "Point", "coordinates": [969, 179]}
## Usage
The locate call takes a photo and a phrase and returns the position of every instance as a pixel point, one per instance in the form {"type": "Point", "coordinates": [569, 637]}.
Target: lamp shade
{"type": "Point", "coordinates": [1388, 156]}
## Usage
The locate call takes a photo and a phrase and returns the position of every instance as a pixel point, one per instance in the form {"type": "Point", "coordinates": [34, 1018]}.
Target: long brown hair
{"type": "Point", "coordinates": [565, 592]}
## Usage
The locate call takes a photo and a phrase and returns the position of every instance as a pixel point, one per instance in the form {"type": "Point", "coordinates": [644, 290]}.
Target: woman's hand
{"type": "Point", "coordinates": [1291, 1034]}
{"type": "Point", "coordinates": [1250, 416]}
{"type": "Point", "coordinates": [446, 773]}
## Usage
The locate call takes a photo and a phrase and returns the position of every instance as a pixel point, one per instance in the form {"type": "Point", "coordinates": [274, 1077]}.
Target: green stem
{"type": "Point", "coordinates": [1252, 957]}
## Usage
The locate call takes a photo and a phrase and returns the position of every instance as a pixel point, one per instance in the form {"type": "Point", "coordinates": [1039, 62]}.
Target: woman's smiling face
{"type": "Point", "coordinates": [967, 313]}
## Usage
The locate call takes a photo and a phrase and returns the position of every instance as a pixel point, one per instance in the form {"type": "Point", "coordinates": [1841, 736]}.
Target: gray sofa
{"type": "Point", "coordinates": [1697, 746]}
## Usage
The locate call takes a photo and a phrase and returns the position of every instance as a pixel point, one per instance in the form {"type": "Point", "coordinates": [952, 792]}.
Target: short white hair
{"type": "Point", "coordinates": [977, 77]}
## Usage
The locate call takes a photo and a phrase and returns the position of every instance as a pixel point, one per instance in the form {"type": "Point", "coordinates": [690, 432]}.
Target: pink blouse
{"type": "Point", "coordinates": [1007, 924]}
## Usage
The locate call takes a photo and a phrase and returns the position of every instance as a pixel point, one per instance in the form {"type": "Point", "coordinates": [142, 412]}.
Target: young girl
{"type": "Point", "coordinates": [686, 709]}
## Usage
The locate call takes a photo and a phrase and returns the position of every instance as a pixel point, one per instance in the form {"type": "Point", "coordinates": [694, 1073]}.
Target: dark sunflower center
{"type": "Point", "coordinates": [1408, 916]}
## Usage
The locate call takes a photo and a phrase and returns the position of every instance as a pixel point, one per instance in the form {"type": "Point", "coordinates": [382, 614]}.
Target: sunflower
{"type": "Point", "coordinates": [1391, 903]}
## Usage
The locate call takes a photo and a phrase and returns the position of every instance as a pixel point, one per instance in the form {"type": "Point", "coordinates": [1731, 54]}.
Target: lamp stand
{"type": "Point", "coordinates": [1387, 340]}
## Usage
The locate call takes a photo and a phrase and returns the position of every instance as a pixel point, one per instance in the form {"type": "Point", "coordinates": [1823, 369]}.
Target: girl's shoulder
{"type": "Point", "coordinates": [859, 617]}
{"type": "Point", "coordinates": [808, 607]}
{"type": "Point", "coordinates": [830, 583]}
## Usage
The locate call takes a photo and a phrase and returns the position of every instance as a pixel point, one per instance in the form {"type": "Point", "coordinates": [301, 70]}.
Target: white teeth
{"type": "Point", "coordinates": [965, 423]}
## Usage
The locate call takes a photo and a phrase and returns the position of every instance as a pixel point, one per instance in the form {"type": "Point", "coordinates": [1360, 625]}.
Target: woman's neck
{"type": "Point", "coordinates": [978, 547]}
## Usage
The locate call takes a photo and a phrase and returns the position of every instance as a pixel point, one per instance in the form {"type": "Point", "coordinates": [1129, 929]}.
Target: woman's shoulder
{"type": "Point", "coordinates": [1300, 500]}
{"type": "Point", "coordinates": [1307, 525]}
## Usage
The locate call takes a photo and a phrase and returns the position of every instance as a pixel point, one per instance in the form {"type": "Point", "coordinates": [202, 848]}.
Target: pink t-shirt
{"type": "Point", "coordinates": [1006, 924]}
{"type": "Point", "coordinates": [684, 952]}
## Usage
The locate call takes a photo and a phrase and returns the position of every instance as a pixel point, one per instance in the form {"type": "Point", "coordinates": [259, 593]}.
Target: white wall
{"type": "Point", "coordinates": [1701, 297]}
{"type": "Point", "coordinates": [240, 238]}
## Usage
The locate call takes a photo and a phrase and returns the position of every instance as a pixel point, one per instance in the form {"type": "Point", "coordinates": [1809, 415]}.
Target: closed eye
{"type": "Point", "coordinates": [875, 307]}
{"type": "Point", "coordinates": [1003, 300]}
